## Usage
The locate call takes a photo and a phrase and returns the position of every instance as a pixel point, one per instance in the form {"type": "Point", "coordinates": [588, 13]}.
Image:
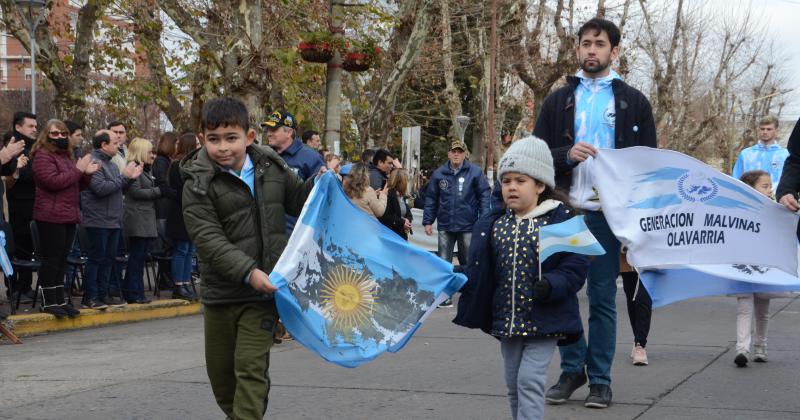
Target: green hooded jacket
{"type": "Point", "coordinates": [234, 232]}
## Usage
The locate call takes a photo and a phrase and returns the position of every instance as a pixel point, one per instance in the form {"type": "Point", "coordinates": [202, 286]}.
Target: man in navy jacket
{"type": "Point", "coordinates": [595, 110]}
{"type": "Point", "coordinates": [457, 195]}
{"type": "Point", "coordinates": [281, 127]}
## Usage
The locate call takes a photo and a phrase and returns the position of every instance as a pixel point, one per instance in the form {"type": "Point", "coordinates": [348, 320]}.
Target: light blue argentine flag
{"type": "Point", "coordinates": [348, 287]}
{"type": "Point", "coordinates": [5, 263]}
{"type": "Point", "coordinates": [570, 236]}
{"type": "Point", "coordinates": [666, 286]}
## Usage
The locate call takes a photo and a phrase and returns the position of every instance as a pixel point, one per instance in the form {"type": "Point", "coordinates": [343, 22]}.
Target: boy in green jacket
{"type": "Point", "coordinates": [235, 200]}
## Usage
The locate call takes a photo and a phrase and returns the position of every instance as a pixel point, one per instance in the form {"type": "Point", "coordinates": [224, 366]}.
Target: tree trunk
{"type": "Point", "coordinates": [380, 118]}
{"type": "Point", "coordinates": [70, 83]}
{"type": "Point", "coordinates": [147, 27]}
{"type": "Point", "coordinates": [451, 92]}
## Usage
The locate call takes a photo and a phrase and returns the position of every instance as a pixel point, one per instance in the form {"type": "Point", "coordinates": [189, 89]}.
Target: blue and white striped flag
{"type": "Point", "coordinates": [569, 236]}
{"type": "Point", "coordinates": [348, 287]}
{"type": "Point", "coordinates": [5, 263]}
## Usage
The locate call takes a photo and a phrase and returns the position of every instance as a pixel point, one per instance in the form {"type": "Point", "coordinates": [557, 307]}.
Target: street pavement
{"type": "Point", "coordinates": [156, 370]}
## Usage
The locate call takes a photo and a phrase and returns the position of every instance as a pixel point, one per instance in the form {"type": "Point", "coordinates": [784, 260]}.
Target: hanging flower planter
{"type": "Point", "coordinates": [316, 53]}
{"type": "Point", "coordinates": [355, 62]}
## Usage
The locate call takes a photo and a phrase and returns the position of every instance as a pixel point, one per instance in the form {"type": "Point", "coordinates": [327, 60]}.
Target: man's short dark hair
{"type": "Point", "coordinates": [599, 25]}
{"type": "Point", "coordinates": [72, 126]}
{"type": "Point", "coordinates": [381, 155]}
{"type": "Point", "coordinates": [308, 134]}
{"type": "Point", "coordinates": [116, 123]}
{"type": "Point", "coordinates": [20, 116]}
{"type": "Point", "coordinates": [225, 111]}
{"type": "Point", "coordinates": [99, 140]}
{"type": "Point", "coordinates": [367, 154]}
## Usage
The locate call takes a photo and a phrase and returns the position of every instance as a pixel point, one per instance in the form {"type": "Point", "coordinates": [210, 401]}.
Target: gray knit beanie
{"type": "Point", "coordinates": [529, 156]}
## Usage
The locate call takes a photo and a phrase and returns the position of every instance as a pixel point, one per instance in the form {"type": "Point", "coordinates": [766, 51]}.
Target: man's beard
{"type": "Point", "coordinates": [597, 68]}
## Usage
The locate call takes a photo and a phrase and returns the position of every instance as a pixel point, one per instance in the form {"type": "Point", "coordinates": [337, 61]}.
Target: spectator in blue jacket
{"type": "Point", "coordinates": [281, 127]}
{"type": "Point", "coordinates": [457, 195]}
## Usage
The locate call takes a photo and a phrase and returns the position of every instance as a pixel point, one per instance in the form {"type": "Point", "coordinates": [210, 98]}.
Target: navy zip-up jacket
{"type": "Point", "coordinates": [487, 301]}
{"type": "Point", "coordinates": [456, 200]}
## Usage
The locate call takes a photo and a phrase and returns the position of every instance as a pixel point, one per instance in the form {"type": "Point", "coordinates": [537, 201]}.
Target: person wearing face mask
{"type": "Point", "coordinates": [56, 211]}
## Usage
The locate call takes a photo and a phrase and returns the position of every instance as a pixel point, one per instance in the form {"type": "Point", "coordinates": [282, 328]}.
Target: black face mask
{"type": "Point", "coordinates": [60, 142]}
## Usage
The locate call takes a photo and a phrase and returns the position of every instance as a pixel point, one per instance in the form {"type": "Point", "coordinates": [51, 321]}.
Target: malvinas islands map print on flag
{"type": "Point", "coordinates": [348, 287]}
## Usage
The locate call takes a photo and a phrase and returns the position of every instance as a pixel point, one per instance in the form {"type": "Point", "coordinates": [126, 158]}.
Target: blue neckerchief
{"type": "Point", "coordinates": [247, 174]}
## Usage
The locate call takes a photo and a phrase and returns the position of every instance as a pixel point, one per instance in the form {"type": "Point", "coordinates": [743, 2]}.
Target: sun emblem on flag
{"type": "Point", "coordinates": [574, 241]}
{"type": "Point", "coordinates": [348, 298]}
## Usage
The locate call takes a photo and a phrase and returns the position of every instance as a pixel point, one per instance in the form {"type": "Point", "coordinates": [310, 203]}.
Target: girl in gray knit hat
{"type": "Point", "coordinates": [506, 296]}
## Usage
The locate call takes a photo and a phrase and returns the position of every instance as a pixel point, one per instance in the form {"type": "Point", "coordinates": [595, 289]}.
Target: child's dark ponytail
{"type": "Point", "coordinates": [551, 193]}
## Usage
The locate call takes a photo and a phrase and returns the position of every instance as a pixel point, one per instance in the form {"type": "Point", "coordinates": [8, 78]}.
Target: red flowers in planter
{"type": "Point", "coordinates": [316, 52]}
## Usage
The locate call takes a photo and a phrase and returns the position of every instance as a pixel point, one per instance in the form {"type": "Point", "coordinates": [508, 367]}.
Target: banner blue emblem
{"type": "Point", "coordinates": [348, 287]}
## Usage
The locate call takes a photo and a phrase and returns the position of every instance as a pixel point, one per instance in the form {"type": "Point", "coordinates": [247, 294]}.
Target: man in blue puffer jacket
{"type": "Point", "coordinates": [457, 195]}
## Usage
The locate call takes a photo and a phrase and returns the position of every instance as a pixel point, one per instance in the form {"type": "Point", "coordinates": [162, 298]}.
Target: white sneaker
{"type": "Point", "coordinates": [639, 356]}
{"type": "Point", "coordinates": [760, 354]}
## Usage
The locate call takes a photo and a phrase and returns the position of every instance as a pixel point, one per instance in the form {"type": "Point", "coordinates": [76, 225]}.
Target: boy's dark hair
{"type": "Point", "coordinates": [225, 111]}
{"type": "Point", "coordinates": [599, 25]}
{"type": "Point", "coordinates": [72, 126]}
{"type": "Point", "coordinates": [19, 117]}
{"type": "Point", "coordinates": [751, 177]}
{"type": "Point", "coordinates": [367, 154]}
{"type": "Point", "coordinates": [380, 156]}
{"type": "Point", "coordinates": [99, 140]}
{"type": "Point", "coordinates": [308, 134]}
{"type": "Point", "coordinates": [116, 123]}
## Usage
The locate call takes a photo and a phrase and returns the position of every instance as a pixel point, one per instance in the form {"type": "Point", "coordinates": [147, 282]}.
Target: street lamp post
{"type": "Point", "coordinates": [32, 11]}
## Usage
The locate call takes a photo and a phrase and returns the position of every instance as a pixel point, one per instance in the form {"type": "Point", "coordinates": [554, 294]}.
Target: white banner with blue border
{"type": "Point", "coordinates": [672, 210]}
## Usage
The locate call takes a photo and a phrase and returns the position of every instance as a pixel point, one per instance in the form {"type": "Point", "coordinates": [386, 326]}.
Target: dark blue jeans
{"type": "Point", "coordinates": [116, 278]}
{"type": "Point", "coordinates": [601, 288]}
{"type": "Point", "coordinates": [449, 239]}
{"type": "Point", "coordinates": [182, 256]}
{"type": "Point", "coordinates": [102, 250]}
{"type": "Point", "coordinates": [133, 284]}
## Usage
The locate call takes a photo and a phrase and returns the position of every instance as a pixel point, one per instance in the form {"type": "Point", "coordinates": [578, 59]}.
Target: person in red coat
{"type": "Point", "coordinates": [56, 210]}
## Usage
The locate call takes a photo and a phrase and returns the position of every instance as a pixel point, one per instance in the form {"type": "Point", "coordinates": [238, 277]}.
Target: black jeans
{"type": "Point", "coordinates": [56, 241]}
{"type": "Point", "coordinates": [19, 216]}
{"type": "Point", "coordinates": [640, 306]}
